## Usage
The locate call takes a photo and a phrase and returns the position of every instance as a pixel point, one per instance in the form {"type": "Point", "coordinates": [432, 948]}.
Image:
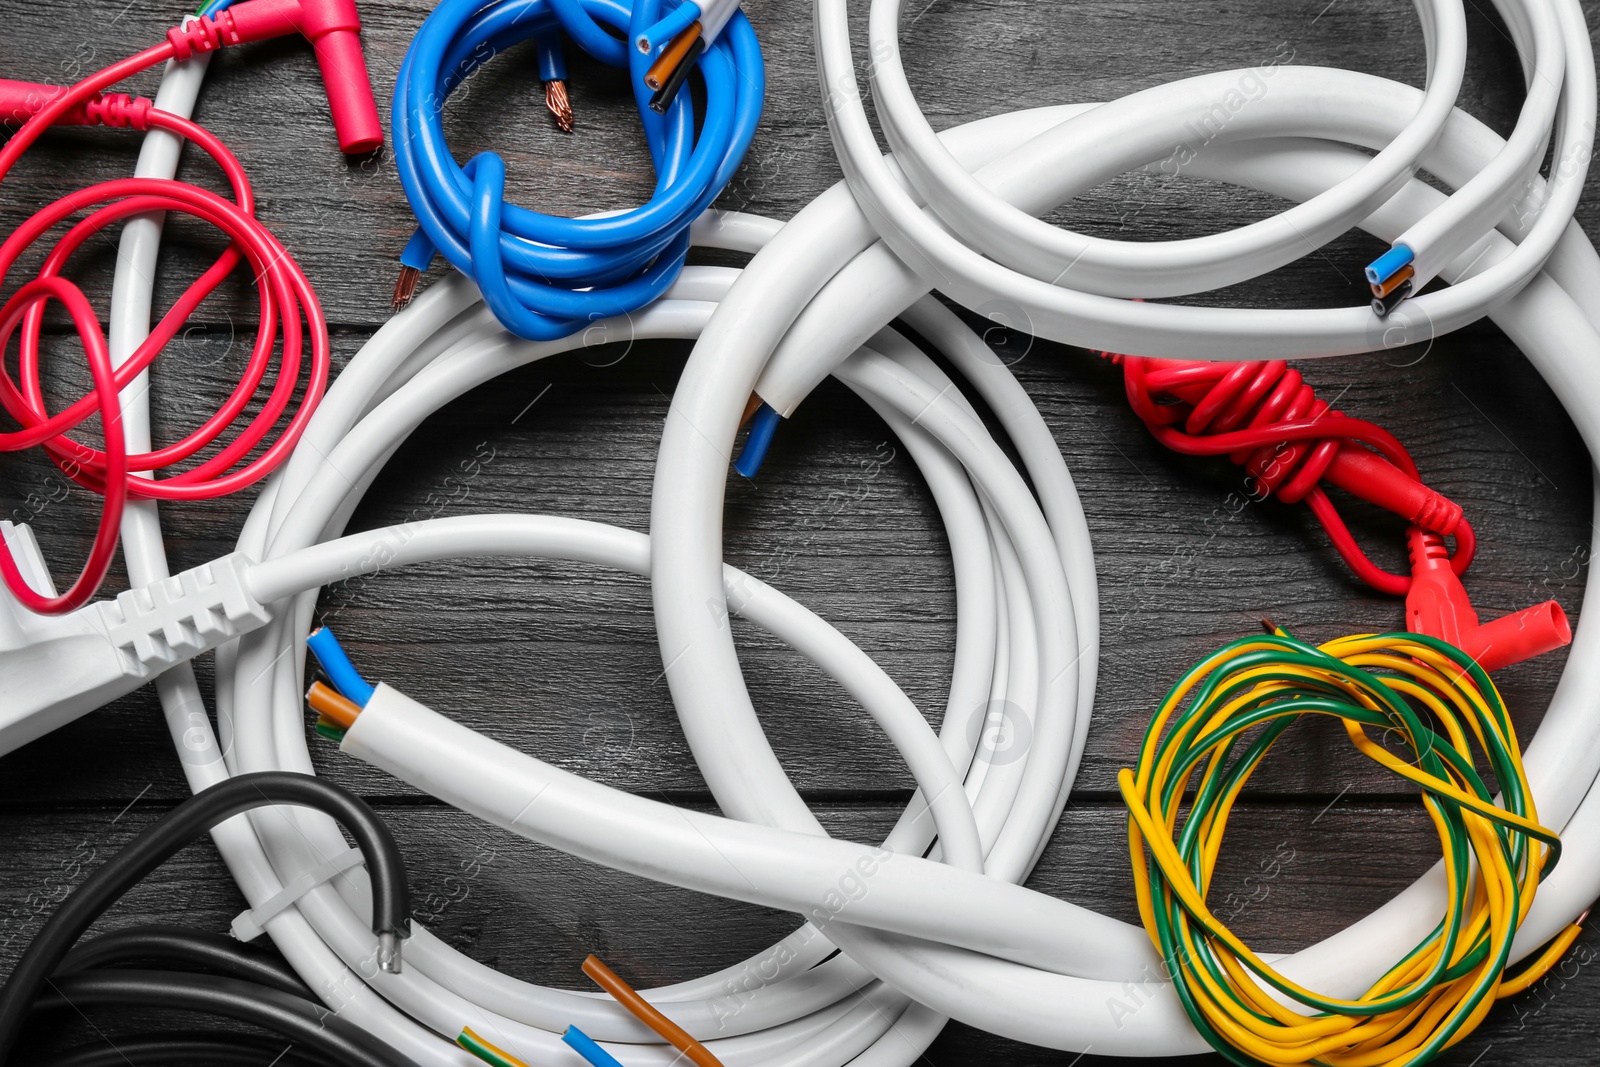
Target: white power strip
{"type": "Point", "coordinates": [55, 668]}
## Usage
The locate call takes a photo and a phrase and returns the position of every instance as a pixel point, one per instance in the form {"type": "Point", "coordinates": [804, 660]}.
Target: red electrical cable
{"type": "Point", "coordinates": [1265, 418]}
{"type": "Point", "coordinates": [286, 297]}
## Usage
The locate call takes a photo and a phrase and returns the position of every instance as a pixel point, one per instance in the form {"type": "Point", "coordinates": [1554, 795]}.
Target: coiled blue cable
{"type": "Point", "coordinates": [544, 276]}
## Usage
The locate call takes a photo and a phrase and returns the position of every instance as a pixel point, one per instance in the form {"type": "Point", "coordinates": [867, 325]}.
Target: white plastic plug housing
{"type": "Point", "coordinates": [56, 668]}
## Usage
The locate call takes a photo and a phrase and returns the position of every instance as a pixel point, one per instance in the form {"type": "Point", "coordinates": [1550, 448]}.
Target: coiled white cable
{"type": "Point", "coordinates": [1061, 294]}
{"type": "Point", "coordinates": [963, 944]}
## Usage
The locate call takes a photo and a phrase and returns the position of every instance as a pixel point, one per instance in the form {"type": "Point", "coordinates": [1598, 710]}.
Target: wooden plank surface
{"type": "Point", "coordinates": [562, 660]}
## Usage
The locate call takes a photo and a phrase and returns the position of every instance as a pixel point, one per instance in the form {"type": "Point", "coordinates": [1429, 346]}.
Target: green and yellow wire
{"type": "Point", "coordinates": [491, 1054]}
{"type": "Point", "coordinates": [1207, 738]}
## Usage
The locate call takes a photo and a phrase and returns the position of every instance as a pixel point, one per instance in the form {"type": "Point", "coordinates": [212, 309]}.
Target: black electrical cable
{"type": "Point", "coordinates": [195, 950]}
{"type": "Point", "coordinates": [184, 1050]}
{"type": "Point", "coordinates": [172, 832]}
{"type": "Point", "coordinates": [303, 1022]}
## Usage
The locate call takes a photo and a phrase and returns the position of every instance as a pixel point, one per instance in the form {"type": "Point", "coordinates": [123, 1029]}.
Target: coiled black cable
{"type": "Point", "coordinates": [302, 1021]}
{"type": "Point", "coordinates": [195, 950]}
{"type": "Point", "coordinates": [266, 1005]}
{"type": "Point", "coordinates": [183, 1050]}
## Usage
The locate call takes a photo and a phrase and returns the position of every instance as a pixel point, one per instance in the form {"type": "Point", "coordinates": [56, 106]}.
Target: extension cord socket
{"type": "Point", "coordinates": [57, 668]}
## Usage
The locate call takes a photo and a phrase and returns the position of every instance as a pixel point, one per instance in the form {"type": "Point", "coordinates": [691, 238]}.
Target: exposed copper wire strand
{"type": "Point", "coordinates": [559, 103]}
{"type": "Point", "coordinates": [405, 287]}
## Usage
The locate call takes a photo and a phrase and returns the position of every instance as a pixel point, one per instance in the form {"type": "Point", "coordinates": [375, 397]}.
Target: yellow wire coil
{"type": "Point", "coordinates": [1206, 740]}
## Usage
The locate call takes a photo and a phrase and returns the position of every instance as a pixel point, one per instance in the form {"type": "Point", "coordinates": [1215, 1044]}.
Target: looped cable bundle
{"type": "Point", "coordinates": [1494, 855]}
{"type": "Point", "coordinates": [1264, 417]}
{"type": "Point", "coordinates": [543, 276]}
{"type": "Point", "coordinates": [285, 295]}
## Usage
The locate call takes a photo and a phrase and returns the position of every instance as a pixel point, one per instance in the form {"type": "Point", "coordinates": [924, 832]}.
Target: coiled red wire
{"type": "Point", "coordinates": [285, 296]}
{"type": "Point", "coordinates": [1265, 418]}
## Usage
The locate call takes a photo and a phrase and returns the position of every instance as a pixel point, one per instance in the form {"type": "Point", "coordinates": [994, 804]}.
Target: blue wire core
{"type": "Point", "coordinates": [763, 428]}
{"type": "Point", "coordinates": [337, 666]}
{"type": "Point", "coordinates": [1383, 268]}
{"type": "Point", "coordinates": [585, 1046]}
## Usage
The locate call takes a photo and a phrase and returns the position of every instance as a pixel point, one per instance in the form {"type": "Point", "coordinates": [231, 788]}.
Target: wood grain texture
{"type": "Point", "coordinates": [562, 660]}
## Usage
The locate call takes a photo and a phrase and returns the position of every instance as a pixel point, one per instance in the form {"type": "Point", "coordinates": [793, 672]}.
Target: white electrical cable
{"type": "Point", "coordinates": [962, 944]}
{"type": "Point", "coordinates": [311, 498]}
{"type": "Point", "coordinates": [1147, 125]}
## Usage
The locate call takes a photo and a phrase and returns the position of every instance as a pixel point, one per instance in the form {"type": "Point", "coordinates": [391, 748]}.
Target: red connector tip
{"type": "Point", "coordinates": [1438, 607]}
{"type": "Point", "coordinates": [334, 29]}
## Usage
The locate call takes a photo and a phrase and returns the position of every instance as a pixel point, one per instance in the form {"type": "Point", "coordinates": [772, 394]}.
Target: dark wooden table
{"type": "Point", "coordinates": [562, 661]}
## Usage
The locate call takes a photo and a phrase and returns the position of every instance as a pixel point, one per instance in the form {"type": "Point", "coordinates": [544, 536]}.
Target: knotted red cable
{"type": "Point", "coordinates": [287, 306]}
{"type": "Point", "coordinates": [1265, 418]}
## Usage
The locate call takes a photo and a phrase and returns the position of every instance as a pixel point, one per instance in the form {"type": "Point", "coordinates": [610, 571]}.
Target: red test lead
{"type": "Point", "coordinates": [1265, 418]}
{"type": "Point", "coordinates": [332, 26]}
{"type": "Point", "coordinates": [1437, 605]}
{"type": "Point", "coordinates": [246, 448]}
{"type": "Point", "coordinates": [19, 101]}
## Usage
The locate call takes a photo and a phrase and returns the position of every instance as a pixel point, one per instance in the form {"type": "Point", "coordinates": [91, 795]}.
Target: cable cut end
{"type": "Point", "coordinates": [389, 952]}
{"type": "Point", "coordinates": [405, 287]}
{"type": "Point", "coordinates": [559, 103]}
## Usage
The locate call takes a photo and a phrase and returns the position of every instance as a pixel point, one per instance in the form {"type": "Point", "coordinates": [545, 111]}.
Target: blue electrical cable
{"type": "Point", "coordinates": [545, 276]}
{"type": "Point", "coordinates": [337, 666]}
{"type": "Point", "coordinates": [675, 22]}
{"type": "Point", "coordinates": [585, 1046]}
{"type": "Point", "coordinates": [763, 428]}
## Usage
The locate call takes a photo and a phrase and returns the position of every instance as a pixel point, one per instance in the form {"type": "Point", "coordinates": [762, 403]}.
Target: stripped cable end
{"type": "Point", "coordinates": [405, 287]}
{"type": "Point", "coordinates": [751, 406]}
{"type": "Point", "coordinates": [389, 952]}
{"type": "Point", "coordinates": [673, 56]}
{"type": "Point", "coordinates": [335, 663]}
{"type": "Point", "coordinates": [1389, 264]}
{"type": "Point", "coordinates": [671, 76]}
{"type": "Point", "coordinates": [559, 103]}
{"type": "Point", "coordinates": [1396, 280]}
{"type": "Point", "coordinates": [1383, 305]}
{"type": "Point", "coordinates": [763, 428]}
{"type": "Point", "coordinates": [336, 710]}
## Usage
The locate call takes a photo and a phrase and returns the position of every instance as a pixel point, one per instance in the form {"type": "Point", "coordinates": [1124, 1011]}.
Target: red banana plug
{"type": "Point", "coordinates": [334, 29]}
{"type": "Point", "coordinates": [1437, 606]}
